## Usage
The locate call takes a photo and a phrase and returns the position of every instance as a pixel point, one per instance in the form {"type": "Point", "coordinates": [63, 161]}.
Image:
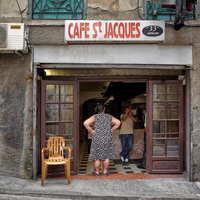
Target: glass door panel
{"type": "Point", "coordinates": [58, 113]}
{"type": "Point", "coordinates": [66, 112]}
{"type": "Point", "coordinates": [158, 111]}
{"type": "Point", "coordinates": [158, 129]}
{"type": "Point", "coordinates": [172, 91]}
{"type": "Point", "coordinates": [158, 147]}
{"type": "Point", "coordinates": [173, 148]}
{"type": "Point", "coordinates": [165, 127]}
{"type": "Point", "coordinates": [66, 93]}
{"type": "Point", "coordinates": [52, 130]}
{"type": "Point", "coordinates": [158, 92]}
{"type": "Point", "coordinates": [52, 112]}
{"type": "Point", "coordinates": [52, 93]}
{"type": "Point", "coordinates": [173, 110]}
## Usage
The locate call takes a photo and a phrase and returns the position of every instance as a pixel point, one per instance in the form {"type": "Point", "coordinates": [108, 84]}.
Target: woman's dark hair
{"type": "Point", "coordinates": [99, 108]}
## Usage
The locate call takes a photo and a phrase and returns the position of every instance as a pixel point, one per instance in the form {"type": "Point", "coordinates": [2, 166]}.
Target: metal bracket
{"type": "Point", "coordinates": [20, 54]}
{"type": "Point", "coordinates": [191, 68]}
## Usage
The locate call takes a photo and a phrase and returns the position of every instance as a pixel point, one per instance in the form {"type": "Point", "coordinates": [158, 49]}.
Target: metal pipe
{"type": "Point", "coordinates": [31, 59]}
{"type": "Point", "coordinates": [191, 125]}
{"type": "Point", "coordinates": [20, 54]}
{"type": "Point", "coordinates": [34, 124]}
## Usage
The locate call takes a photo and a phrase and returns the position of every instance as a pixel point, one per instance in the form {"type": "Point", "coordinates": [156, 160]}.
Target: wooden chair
{"type": "Point", "coordinates": [56, 147]}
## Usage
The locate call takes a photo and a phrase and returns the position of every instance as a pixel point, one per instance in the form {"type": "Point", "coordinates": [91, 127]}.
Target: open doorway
{"type": "Point", "coordinates": [115, 96]}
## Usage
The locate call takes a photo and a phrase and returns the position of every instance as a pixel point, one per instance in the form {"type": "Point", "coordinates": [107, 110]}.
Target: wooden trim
{"type": "Point", "coordinates": [132, 78]}
{"type": "Point", "coordinates": [179, 159]}
{"type": "Point", "coordinates": [74, 161]}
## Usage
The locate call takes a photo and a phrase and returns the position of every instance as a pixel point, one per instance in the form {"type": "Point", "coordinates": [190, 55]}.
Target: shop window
{"type": "Point", "coordinates": [57, 9]}
{"type": "Point", "coordinates": [166, 12]}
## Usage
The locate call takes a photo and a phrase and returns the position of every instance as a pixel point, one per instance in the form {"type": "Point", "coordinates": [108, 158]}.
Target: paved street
{"type": "Point", "coordinates": [177, 188]}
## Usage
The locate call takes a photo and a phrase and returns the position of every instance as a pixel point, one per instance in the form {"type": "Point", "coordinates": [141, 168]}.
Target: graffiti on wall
{"type": "Point", "coordinates": [11, 108]}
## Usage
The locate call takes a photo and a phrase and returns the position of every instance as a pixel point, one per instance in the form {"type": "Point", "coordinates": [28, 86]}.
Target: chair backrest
{"type": "Point", "coordinates": [55, 145]}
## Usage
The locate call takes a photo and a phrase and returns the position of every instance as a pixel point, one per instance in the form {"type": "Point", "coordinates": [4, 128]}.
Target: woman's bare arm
{"type": "Point", "coordinates": [88, 124]}
{"type": "Point", "coordinates": [116, 123]}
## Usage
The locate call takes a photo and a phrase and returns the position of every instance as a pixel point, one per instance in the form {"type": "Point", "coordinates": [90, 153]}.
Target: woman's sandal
{"type": "Point", "coordinates": [94, 174]}
{"type": "Point", "coordinates": [106, 174]}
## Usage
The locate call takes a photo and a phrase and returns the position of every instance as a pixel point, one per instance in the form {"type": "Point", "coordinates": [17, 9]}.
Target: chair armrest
{"type": "Point", "coordinates": [42, 152]}
{"type": "Point", "coordinates": [69, 150]}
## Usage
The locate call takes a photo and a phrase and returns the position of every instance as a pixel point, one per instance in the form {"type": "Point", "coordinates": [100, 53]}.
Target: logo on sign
{"type": "Point", "coordinates": [152, 31]}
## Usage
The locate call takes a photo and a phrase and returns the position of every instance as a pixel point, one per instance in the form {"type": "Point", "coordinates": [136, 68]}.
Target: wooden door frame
{"type": "Point", "coordinates": [181, 139]}
{"type": "Point", "coordinates": [74, 160]}
{"type": "Point", "coordinates": [131, 78]}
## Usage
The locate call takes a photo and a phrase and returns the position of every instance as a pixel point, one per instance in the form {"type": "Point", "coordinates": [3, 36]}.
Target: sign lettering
{"type": "Point", "coordinates": [114, 31]}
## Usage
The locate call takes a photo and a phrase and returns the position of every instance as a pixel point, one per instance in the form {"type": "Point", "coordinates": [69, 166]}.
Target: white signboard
{"type": "Point", "coordinates": [97, 31]}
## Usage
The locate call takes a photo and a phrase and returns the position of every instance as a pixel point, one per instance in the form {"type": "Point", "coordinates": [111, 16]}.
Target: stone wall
{"type": "Point", "coordinates": [15, 116]}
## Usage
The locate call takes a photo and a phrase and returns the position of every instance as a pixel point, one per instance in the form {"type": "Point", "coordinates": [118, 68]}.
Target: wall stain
{"type": "Point", "coordinates": [13, 119]}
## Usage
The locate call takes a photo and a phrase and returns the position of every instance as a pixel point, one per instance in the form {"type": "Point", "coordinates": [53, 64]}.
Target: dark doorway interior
{"type": "Point", "coordinates": [114, 95]}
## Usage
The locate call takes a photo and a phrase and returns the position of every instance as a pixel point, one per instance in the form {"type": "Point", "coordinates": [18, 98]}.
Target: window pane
{"type": "Point", "coordinates": [172, 148]}
{"type": "Point", "coordinates": [52, 93]}
{"type": "Point", "coordinates": [173, 110]}
{"type": "Point", "coordinates": [70, 145]}
{"type": "Point", "coordinates": [172, 91]}
{"type": "Point", "coordinates": [66, 130]}
{"type": "Point", "coordinates": [158, 110]}
{"type": "Point", "coordinates": [173, 127]}
{"type": "Point", "coordinates": [52, 112]}
{"type": "Point", "coordinates": [66, 93]}
{"type": "Point", "coordinates": [158, 129]}
{"type": "Point", "coordinates": [158, 147]}
{"type": "Point", "coordinates": [66, 112]}
{"type": "Point", "coordinates": [52, 130]}
{"type": "Point", "coordinates": [158, 92]}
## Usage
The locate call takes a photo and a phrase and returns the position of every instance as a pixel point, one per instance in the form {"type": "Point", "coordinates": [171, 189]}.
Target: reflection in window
{"type": "Point", "coordinates": [172, 148]}
{"type": "Point", "coordinates": [52, 130]}
{"type": "Point", "coordinates": [52, 112]}
{"type": "Point", "coordinates": [66, 93]}
{"type": "Point", "coordinates": [158, 92]}
{"type": "Point", "coordinates": [52, 93]}
{"type": "Point", "coordinates": [66, 130]}
{"type": "Point", "coordinates": [158, 129]}
{"type": "Point", "coordinates": [70, 145]}
{"type": "Point", "coordinates": [66, 112]}
{"type": "Point", "coordinates": [158, 110]}
{"type": "Point", "coordinates": [159, 147]}
{"type": "Point", "coordinates": [173, 110]}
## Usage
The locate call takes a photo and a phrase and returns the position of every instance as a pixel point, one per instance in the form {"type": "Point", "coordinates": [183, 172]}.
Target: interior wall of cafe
{"type": "Point", "coordinates": [16, 144]}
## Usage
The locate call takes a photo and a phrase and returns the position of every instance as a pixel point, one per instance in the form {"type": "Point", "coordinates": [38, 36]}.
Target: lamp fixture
{"type": "Point", "coordinates": [111, 98]}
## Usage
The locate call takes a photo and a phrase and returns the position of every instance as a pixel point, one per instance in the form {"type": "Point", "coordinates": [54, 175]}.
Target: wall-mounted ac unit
{"type": "Point", "coordinates": [13, 37]}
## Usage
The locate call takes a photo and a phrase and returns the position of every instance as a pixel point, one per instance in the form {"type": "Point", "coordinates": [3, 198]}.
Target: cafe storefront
{"type": "Point", "coordinates": [126, 51]}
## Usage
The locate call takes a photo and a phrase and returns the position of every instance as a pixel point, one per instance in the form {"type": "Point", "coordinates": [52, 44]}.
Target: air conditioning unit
{"type": "Point", "coordinates": [13, 37]}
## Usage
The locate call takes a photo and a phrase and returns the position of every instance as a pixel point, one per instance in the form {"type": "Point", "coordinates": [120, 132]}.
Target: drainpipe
{"type": "Point", "coordinates": [191, 125]}
{"type": "Point", "coordinates": [34, 123]}
{"type": "Point", "coordinates": [31, 58]}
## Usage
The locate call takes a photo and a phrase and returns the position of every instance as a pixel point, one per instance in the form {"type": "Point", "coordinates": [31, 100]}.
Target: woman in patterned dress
{"type": "Point", "coordinates": [101, 125]}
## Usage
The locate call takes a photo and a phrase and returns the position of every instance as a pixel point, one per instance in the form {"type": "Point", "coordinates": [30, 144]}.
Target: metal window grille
{"type": "Point", "coordinates": [155, 11]}
{"type": "Point", "coordinates": [57, 9]}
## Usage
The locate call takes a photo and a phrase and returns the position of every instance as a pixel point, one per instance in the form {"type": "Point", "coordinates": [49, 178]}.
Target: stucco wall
{"type": "Point", "coordinates": [15, 90]}
{"type": "Point", "coordinates": [15, 116]}
{"type": "Point", "coordinates": [196, 113]}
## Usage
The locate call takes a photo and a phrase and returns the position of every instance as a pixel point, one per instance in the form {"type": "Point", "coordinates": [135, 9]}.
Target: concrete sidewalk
{"type": "Point", "coordinates": [177, 188]}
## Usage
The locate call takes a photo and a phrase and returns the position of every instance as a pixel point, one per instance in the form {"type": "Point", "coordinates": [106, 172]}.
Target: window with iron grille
{"type": "Point", "coordinates": [57, 9]}
{"type": "Point", "coordinates": [155, 11]}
